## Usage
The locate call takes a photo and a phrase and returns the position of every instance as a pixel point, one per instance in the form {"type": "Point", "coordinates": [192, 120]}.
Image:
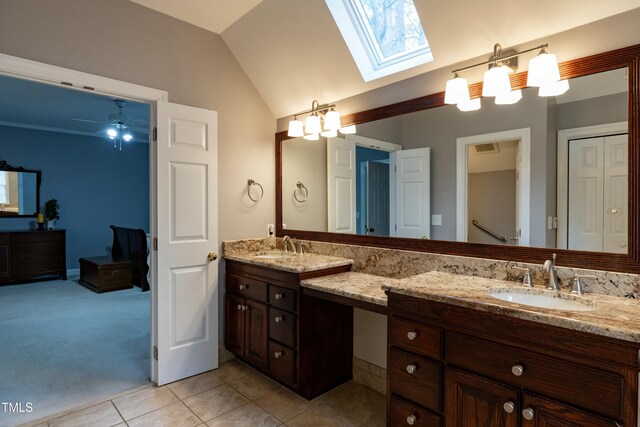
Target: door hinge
{"type": "Point", "coordinates": [155, 134]}
{"type": "Point", "coordinates": [396, 227]}
{"type": "Point", "coordinates": [155, 244]}
{"type": "Point", "coordinates": [155, 353]}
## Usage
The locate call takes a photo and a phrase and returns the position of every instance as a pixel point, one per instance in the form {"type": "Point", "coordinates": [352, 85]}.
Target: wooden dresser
{"type": "Point", "coordinates": [32, 255]}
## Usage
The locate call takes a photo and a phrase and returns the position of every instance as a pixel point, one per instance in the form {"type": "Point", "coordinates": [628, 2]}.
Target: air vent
{"type": "Point", "coordinates": [487, 148]}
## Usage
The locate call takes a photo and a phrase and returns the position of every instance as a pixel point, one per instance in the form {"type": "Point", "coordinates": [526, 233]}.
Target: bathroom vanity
{"type": "Point", "coordinates": [302, 342]}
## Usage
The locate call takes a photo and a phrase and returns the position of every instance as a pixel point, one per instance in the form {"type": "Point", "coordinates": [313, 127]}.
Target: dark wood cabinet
{"type": "Point", "coordinates": [302, 342]}
{"type": "Point", "coordinates": [502, 371]}
{"type": "Point", "coordinates": [32, 255]}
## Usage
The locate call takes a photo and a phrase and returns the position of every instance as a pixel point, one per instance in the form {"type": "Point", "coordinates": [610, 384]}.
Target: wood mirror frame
{"type": "Point", "coordinates": [630, 263]}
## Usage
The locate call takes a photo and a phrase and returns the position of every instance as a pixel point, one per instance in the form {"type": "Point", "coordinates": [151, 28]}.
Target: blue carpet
{"type": "Point", "coordinates": [62, 345]}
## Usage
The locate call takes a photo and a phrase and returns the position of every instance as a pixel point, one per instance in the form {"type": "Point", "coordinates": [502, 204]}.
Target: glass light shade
{"type": "Point", "coordinates": [470, 105]}
{"type": "Point", "coordinates": [332, 120]}
{"type": "Point", "coordinates": [127, 137]}
{"type": "Point", "coordinates": [509, 98]}
{"type": "Point", "coordinates": [295, 128]}
{"type": "Point", "coordinates": [543, 69]}
{"type": "Point", "coordinates": [554, 89]}
{"type": "Point", "coordinates": [312, 137]}
{"type": "Point", "coordinates": [312, 125]}
{"type": "Point", "coordinates": [347, 130]}
{"type": "Point", "coordinates": [112, 133]}
{"type": "Point", "coordinates": [457, 91]}
{"type": "Point", "coordinates": [329, 133]}
{"type": "Point", "coordinates": [496, 81]}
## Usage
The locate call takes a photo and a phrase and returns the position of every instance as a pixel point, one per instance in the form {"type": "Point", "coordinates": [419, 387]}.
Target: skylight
{"type": "Point", "coordinates": [383, 36]}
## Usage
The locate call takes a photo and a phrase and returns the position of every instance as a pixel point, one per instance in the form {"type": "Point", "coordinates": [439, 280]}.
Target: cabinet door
{"type": "Point", "coordinates": [234, 324]}
{"type": "Point", "coordinates": [256, 334]}
{"type": "Point", "coordinates": [549, 413]}
{"type": "Point", "coordinates": [475, 401]}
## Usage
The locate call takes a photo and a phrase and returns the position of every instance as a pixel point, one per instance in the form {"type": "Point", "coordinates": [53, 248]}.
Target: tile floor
{"type": "Point", "coordinates": [233, 395]}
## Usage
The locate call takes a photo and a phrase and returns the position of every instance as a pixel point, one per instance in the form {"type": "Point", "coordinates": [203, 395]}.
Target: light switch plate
{"type": "Point", "coordinates": [436, 219]}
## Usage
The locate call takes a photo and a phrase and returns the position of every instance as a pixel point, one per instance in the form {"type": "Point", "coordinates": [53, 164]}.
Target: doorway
{"type": "Point", "coordinates": [373, 202]}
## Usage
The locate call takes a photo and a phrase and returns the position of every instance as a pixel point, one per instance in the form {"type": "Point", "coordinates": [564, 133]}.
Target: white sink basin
{"type": "Point", "coordinates": [274, 255]}
{"type": "Point", "coordinates": [541, 300]}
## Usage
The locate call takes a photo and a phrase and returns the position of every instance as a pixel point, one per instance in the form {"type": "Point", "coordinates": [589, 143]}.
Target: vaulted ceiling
{"type": "Point", "coordinates": [293, 52]}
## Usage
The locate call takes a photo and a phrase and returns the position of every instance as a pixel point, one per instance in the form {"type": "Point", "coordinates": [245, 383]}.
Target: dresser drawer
{"type": "Point", "coordinates": [249, 288]}
{"type": "Point", "coordinates": [282, 298]}
{"type": "Point", "coordinates": [282, 326]}
{"type": "Point", "coordinates": [415, 337]}
{"type": "Point", "coordinates": [282, 362]}
{"type": "Point", "coordinates": [402, 412]}
{"type": "Point", "coordinates": [416, 379]}
{"type": "Point", "coordinates": [584, 387]}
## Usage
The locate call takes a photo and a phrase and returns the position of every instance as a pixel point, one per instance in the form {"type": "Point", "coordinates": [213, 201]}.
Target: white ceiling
{"type": "Point", "coordinates": [212, 15]}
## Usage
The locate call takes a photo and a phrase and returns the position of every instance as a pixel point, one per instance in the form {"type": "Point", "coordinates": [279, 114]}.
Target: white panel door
{"type": "Point", "coordinates": [586, 182]}
{"type": "Point", "coordinates": [616, 220]}
{"type": "Point", "coordinates": [413, 193]}
{"type": "Point", "coordinates": [187, 218]}
{"type": "Point", "coordinates": [341, 185]}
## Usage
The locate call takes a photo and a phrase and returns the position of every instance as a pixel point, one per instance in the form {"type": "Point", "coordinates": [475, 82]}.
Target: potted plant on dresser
{"type": "Point", "coordinates": [51, 213]}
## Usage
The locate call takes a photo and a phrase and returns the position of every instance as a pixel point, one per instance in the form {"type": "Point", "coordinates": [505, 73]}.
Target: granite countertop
{"type": "Point", "coordinates": [359, 286]}
{"type": "Point", "coordinates": [296, 263]}
{"type": "Point", "coordinates": [613, 317]}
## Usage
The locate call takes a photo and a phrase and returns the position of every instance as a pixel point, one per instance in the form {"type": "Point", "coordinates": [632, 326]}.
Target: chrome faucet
{"type": "Point", "coordinates": [286, 239]}
{"type": "Point", "coordinates": [550, 266]}
{"type": "Point", "coordinates": [526, 278]}
{"type": "Point", "coordinates": [577, 287]}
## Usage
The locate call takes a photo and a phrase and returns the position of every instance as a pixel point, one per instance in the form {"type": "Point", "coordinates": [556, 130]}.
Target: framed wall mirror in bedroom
{"type": "Point", "coordinates": [19, 191]}
{"type": "Point", "coordinates": [514, 182]}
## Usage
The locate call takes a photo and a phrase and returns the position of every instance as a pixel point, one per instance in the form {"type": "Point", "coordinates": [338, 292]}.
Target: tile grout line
{"type": "Point", "coordinates": [118, 411]}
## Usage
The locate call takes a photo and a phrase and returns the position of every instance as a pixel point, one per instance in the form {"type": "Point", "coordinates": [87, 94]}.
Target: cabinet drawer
{"type": "Point", "coordinates": [415, 337]}
{"type": "Point", "coordinates": [282, 362]}
{"type": "Point", "coordinates": [282, 326]}
{"type": "Point", "coordinates": [584, 387]}
{"type": "Point", "coordinates": [423, 386]}
{"type": "Point", "coordinates": [282, 298]}
{"type": "Point", "coordinates": [401, 413]}
{"type": "Point", "coordinates": [249, 288]}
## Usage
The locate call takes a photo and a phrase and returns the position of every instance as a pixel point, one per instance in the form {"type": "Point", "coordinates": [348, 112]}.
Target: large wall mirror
{"type": "Point", "coordinates": [19, 191]}
{"type": "Point", "coordinates": [517, 182]}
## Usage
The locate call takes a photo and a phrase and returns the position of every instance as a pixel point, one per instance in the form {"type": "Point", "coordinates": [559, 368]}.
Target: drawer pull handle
{"type": "Point", "coordinates": [411, 419]}
{"type": "Point", "coordinates": [278, 296]}
{"type": "Point", "coordinates": [528, 414]}
{"type": "Point", "coordinates": [411, 368]}
{"type": "Point", "coordinates": [277, 354]}
{"type": "Point", "coordinates": [115, 273]}
{"type": "Point", "coordinates": [517, 370]}
{"type": "Point", "coordinates": [509, 407]}
{"type": "Point", "coordinates": [243, 287]}
{"type": "Point", "coordinates": [239, 306]}
{"type": "Point", "coordinates": [278, 319]}
{"type": "Point", "coordinates": [412, 335]}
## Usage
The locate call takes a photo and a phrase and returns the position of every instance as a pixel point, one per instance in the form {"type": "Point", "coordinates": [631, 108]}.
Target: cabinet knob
{"type": "Point", "coordinates": [243, 287]}
{"type": "Point", "coordinates": [278, 296]}
{"type": "Point", "coordinates": [278, 319]}
{"type": "Point", "coordinates": [528, 414]}
{"type": "Point", "coordinates": [244, 307]}
{"type": "Point", "coordinates": [509, 407]}
{"type": "Point", "coordinates": [411, 419]}
{"type": "Point", "coordinates": [277, 354]}
{"type": "Point", "coordinates": [517, 370]}
{"type": "Point", "coordinates": [239, 306]}
{"type": "Point", "coordinates": [412, 335]}
{"type": "Point", "coordinates": [411, 368]}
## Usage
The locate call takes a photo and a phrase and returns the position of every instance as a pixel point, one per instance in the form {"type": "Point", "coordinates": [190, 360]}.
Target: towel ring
{"type": "Point", "coordinates": [302, 190]}
{"type": "Point", "coordinates": [251, 183]}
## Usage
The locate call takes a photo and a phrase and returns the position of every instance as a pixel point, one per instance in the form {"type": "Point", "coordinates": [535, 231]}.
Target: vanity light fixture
{"type": "Point", "coordinates": [543, 73]}
{"type": "Point", "coordinates": [323, 120]}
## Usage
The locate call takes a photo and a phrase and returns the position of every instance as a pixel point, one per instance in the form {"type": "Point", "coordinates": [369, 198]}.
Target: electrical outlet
{"type": "Point", "coordinates": [270, 230]}
{"type": "Point", "coordinates": [436, 219]}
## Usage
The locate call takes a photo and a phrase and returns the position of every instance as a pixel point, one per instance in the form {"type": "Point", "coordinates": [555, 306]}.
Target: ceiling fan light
{"type": "Point", "coordinates": [295, 128]}
{"type": "Point", "coordinates": [312, 124]}
{"type": "Point", "coordinates": [510, 97]}
{"type": "Point", "coordinates": [470, 105]}
{"type": "Point", "coordinates": [496, 81]}
{"type": "Point", "coordinates": [554, 88]}
{"type": "Point", "coordinates": [457, 91]}
{"type": "Point", "coordinates": [312, 137]}
{"type": "Point", "coordinates": [127, 137]}
{"type": "Point", "coordinates": [332, 120]}
{"type": "Point", "coordinates": [329, 133]}
{"type": "Point", "coordinates": [112, 133]}
{"type": "Point", "coordinates": [543, 69]}
{"type": "Point", "coordinates": [348, 130]}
